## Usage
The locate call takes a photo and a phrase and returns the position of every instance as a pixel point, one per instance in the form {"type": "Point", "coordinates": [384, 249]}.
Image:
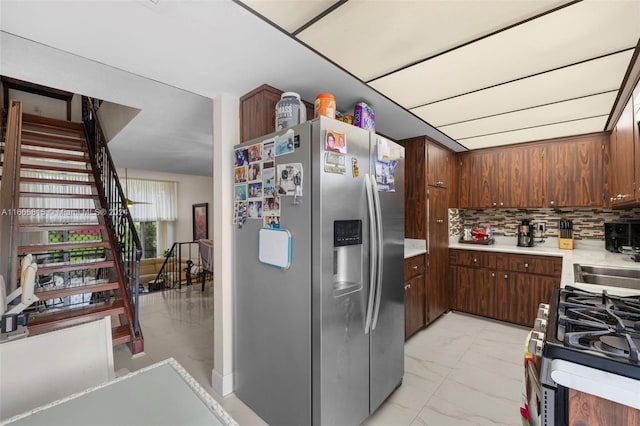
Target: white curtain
{"type": "Point", "coordinates": [161, 196]}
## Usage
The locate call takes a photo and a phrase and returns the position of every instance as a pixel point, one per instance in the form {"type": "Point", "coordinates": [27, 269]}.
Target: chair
{"type": "Point", "coordinates": [206, 258]}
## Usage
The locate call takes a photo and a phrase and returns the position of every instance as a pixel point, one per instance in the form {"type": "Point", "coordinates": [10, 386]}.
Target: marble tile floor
{"type": "Point", "coordinates": [460, 371]}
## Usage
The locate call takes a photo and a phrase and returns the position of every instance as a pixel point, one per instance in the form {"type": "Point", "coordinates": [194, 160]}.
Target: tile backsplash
{"type": "Point", "coordinates": [588, 224]}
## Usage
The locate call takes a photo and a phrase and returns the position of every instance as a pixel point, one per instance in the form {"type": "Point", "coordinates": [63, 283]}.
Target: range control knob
{"type": "Point", "coordinates": [542, 312]}
{"type": "Point", "coordinates": [540, 324]}
{"type": "Point", "coordinates": [537, 335]}
{"type": "Point", "coordinates": [544, 307]}
{"type": "Point", "coordinates": [535, 347]}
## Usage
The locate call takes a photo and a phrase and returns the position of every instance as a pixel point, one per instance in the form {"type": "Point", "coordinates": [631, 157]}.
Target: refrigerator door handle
{"type": "Point", "coordinates": [379, 251]}
{"type": "Point", "coordinates": [372, 253]}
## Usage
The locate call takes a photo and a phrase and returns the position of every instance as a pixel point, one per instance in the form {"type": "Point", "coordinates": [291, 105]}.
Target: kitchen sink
{"type": "Point", "coordinates": [607, 276]}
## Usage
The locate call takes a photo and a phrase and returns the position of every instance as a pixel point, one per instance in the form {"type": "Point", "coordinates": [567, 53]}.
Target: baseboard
{"type": "Point", "coordinates": [222, 384]}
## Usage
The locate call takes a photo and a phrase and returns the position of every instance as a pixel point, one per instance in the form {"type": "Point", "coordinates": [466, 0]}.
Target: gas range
{"type": "Point", "coordinates": [598, 330]}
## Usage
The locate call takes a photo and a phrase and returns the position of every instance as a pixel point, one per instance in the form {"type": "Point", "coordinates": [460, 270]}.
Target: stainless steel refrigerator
{"type": "Point", "coordinates": [319, 333]}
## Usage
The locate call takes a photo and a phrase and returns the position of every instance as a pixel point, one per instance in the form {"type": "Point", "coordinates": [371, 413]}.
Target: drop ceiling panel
{"type": "Point", "coordinates": [589, 106]}
{"type": "Point", "coordinates": [288, 14]}
{"type": "Point", "coordinates": [578, 127]}
{"type": "Point", "coordinates": [372, 38]}
{"type": "Point", "coordinates": [575, 33]}
{"type": "Point", "coordinates": [597, 76]}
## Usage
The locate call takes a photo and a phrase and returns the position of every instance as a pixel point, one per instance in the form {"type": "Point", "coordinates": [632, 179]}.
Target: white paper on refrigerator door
{"type": "Point", "coordinates": [274, 247]}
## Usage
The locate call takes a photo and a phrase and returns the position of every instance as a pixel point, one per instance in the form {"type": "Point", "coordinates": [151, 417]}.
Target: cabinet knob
{"type": "Point", "coordinates": [407, 287]}
{"type": "Point", "coordinates": [494, 204]}
{"type": "Point", "coordinates": [552, 202]}
{"type": "Point", "coordinates": [501, 204]}
{"type": "Point", "coordinates": [506, 275]}
{"type": "Point", "coordinates": [526, 265]}
{"type": "Point", "coordinates": [475, 260]}
{"type": "Point", "coordinates": [493, 274]}
{"type": "Point", "coordinates": [439, 220]}
{"type": "Point", "coordinates": [415, 267]}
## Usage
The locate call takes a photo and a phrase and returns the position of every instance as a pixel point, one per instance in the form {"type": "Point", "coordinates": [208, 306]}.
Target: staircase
{"type": "Point", "coordinates": [71, 219]}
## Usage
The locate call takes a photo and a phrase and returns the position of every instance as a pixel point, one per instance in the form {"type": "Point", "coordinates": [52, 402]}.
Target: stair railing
{"type": "Point", "coordinates": [10, 196]}
{"type": "Point", "coordinates": [175, 264]}
{"type": "Point", "coordinates": [116, 212]}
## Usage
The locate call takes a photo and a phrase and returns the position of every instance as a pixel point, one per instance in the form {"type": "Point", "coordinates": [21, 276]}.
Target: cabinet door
{"type": "Point", "coordinates": [520, 177]}
{"type": "Point", "coordinates": [622, 159]}
{"type": "Point", "coordinates": [588, 409]}
{"type": "Point", "coordinates": [437, 288]}
{"type": "Point", "coordinates": [478, 180]}
{"type": "Point", "coordinates": [413, 305]}
{"type": "Point", "coordinates": [518, 296]}
{"type": "Point", "coordinates": [438, 166]}
{"type": "Point", "coordinates": [474, 290]}
{"type": "Point", "coordinates": [258, 112]}
{"type": "Point", "coordinates": [574, 172]}
{"type": "Point", "coordinates": [415, 191]}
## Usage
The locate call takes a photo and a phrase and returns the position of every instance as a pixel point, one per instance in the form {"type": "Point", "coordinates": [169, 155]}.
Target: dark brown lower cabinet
{"type": "Point", "coordinates": [413, 305]}
{"type": "Point", "coordinates": [437, 280]}
{"type": "Point", "coordinates": [587, 409]}
{"type": "Point", "coordinates": [504, 286]}
{"type": "Point", "coordinates": [472, 289]}
{"type": "Point", "coordinates": [518, 296]}
{"type": "Point", "coordinates": [414, 294]}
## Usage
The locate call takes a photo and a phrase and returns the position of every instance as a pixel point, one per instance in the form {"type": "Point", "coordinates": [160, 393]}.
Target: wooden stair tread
{"type": "Point", "coordinates": [54, 293]}
{"type": "Point", "coordinates": [61, 227]}
{"type": "Point", "coordinates": [40, 323]}
{"type": "Point", "coordinates": [39, 248]}
{"type": "Point", "coordinates": [24, 152]}
{"type": "Point", "coordinates": [54, 168]}
{"type": "Point", "coordinates": [55, 181]}
{"type": "Point", "coordinates": [76, 266]}
{"type": "Point", "coordinates": [57, 195]}
{"type": "Point", "coordinates": [38, 120]}
{"type": "Point", "coordinates": [76, 147]}
{"type": "Point", "coordinates": [120, 335]}
{"type": "Point", "coordinates": [32, 136]}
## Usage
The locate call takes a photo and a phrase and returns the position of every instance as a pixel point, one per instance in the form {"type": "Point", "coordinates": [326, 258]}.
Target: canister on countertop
{"type": "Point", "coordinates": [364, 117]}
{"type": "Point", "coordinates": [290, 111]}
{"type": "Point", "coordinates": [325, 105]}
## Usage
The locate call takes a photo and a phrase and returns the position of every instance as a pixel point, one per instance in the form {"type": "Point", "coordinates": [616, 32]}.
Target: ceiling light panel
{"type": "Point", "coordinates": [372, 38]}
{"type": "Point", "coordinates": [597, 76]}
{"type": "Point", "coordinates": [589, 106]}
{"type": "Point", "coordinates": [578, 127]}
{"type": "Point", "coordinates": [288, 14]}
{"type": "Point", "coordinates": [572, 34]}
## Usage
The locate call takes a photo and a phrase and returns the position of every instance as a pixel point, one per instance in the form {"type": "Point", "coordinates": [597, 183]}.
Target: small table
{"type": "Point", "coordinates": [161, 394]}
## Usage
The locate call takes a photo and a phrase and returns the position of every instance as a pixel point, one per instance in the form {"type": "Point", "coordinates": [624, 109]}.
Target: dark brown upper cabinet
{"type": "Point", "coordinates": [622, 160]}
{"type": "Point", "coordinates": [574, 171]}
{"type": "Point", "coordinates": [258, 112]}
{"type": "Point", "coordinates": [567, 172]}
{"type": "Point", "coordinates": [438, 164]}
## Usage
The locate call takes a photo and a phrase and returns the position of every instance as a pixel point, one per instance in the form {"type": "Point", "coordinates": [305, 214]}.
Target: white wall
{"type": "Point", "coordinates": [191, 190]}
{"type": "Point", "coordinates": [46, 106]}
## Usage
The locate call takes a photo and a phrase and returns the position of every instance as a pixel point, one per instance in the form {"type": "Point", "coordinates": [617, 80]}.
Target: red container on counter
{"type": "Point", "coordinates": [325, 104]}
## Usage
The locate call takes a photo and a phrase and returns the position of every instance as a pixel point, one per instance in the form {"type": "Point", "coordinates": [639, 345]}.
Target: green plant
{"type": "Point", "coordinates": [166, 253]}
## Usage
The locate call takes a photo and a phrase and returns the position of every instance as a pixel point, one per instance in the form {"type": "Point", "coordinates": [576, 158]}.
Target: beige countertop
{"type": "Point", "coordinates": [413, 247]}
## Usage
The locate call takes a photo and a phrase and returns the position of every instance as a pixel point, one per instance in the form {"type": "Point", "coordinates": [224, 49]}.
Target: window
{"type": "Point", "coordinates": [148, 234]}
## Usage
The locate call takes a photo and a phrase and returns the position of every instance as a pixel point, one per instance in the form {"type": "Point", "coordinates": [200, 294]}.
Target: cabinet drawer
{"type": "Point", "coordinates": [414, 266]}
{"type": "Point", "coordinates": [472, 258]}
{"type": "Point", "coordinates": [540, 265]}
